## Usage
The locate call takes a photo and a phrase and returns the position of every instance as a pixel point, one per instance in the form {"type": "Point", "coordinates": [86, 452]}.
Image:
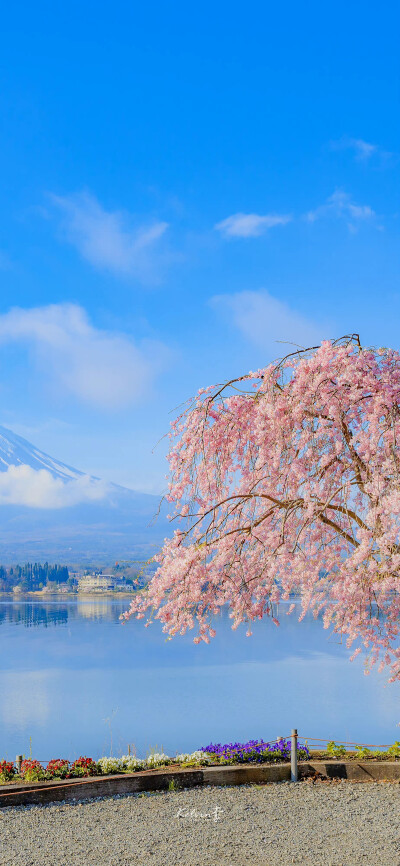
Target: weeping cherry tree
{"type": "Point", "coordinates": [286, 482]}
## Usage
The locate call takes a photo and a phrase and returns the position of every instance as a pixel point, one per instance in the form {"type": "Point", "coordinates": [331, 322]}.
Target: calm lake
{"type": "Point", "coordinates": [74, 680]}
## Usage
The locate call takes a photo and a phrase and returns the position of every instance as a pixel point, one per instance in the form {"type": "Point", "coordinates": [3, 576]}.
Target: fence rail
{"type": "Point", "coordinates": [312, 740]}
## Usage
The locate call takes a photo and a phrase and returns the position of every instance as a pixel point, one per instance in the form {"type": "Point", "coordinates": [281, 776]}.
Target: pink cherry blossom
{"type": "Point", "coordinates": [286, 482]}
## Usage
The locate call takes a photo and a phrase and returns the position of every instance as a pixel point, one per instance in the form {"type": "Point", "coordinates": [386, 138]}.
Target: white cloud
{"type": "Point", "coordinates": [250, 225]}
{"type": "Point", "coordinates": [101, 368]}
{"type": "Point", "coordinates": [266, 321]}
{"type": "Point", "coordinates": [341, 206]}
{"type": "Point", "coordinates": [363, 150]}
{"type": "Point", "coordinates": [37, 488]}
{"type": "Point", "coordinates": [108, 240]}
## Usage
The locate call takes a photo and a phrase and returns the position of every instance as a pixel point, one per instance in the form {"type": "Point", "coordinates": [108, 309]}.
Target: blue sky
{"type": "Point", "coordinates": [182, 188]}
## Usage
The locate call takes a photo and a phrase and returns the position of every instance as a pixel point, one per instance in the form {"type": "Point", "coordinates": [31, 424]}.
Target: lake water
{"type": "Point", "coordinates": [74, 680]}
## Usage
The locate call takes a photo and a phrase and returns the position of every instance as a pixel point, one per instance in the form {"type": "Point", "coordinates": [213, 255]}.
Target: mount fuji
{"type": "Point", "coordinates": [49, 510]}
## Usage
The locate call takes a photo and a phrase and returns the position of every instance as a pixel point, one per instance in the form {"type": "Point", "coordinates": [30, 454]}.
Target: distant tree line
{"type": "Point", "coordinates": [32, 576]}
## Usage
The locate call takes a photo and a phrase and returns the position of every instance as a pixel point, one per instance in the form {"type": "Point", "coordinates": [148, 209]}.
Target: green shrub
{"type": "Point", "coordinates": [334, 750]}
{"type": "Point", "coordinates": [364, 752]}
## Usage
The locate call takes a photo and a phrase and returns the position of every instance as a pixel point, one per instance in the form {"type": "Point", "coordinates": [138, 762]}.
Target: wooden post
{"type": "Point", "coordinates": [18, 762]}
{"type": "Point", "coordinates": [293, 757]}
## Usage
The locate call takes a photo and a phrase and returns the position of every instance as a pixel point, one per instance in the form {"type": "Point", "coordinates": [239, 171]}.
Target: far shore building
{"type": "Point", "coordinates": [100, 583]}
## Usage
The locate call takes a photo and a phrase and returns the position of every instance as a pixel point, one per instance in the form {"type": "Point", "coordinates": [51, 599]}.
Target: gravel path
{"type": "Point", "coordinates": [322, 824]}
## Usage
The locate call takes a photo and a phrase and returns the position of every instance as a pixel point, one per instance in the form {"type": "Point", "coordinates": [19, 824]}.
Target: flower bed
{"type": "Point", "coordinates": [59, 768]}
{"type": "Point", "coordinates": [255, 752]}
{"type": "Point", "coordinates": [215, 754]}
{"type": "Point", "coordinates": [130, 764]}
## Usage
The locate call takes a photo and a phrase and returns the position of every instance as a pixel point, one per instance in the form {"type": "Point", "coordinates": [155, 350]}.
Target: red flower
{"type": "Point", "coordinates": [84, 767]}
{"type": "Point", "coordinates": [58, 767]}
{"type": "Point", "coordinates": [32, 770]}
{"type": "Point", "coordinates": [7, 770]}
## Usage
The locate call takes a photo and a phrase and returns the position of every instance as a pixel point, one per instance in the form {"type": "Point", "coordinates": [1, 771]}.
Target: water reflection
{"type": "Point", "coordinates": [98, 609]}
{"type": "Point", "coordinates": [33, 614]}
{"type": "Point", "coordinates": [73, 677]}
{"type": "Point", "coordinates": [53, 612]}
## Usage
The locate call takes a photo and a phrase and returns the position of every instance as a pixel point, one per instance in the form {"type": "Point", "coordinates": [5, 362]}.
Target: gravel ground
{"type": "Point", "coordinates": [321, 824]}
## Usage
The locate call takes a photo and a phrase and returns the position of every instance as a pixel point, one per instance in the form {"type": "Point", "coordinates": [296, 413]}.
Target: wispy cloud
{"type": "Point", "coordinates": [363, 150]}
{"type": "Point", "coordinates": [266, 321]}
{"type": "Point", "coordinates": [37, 488]}
{"type": "Point", "coordinates": [101, 368]}
{"type": "Point", "coordinates": [250, 225]}
{"type": "Point", "coordinates": [340, 205]}
{"type": "Point", "coordinates": [111, 240]}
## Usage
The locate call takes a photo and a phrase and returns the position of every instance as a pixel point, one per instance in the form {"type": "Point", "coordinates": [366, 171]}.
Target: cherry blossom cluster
{"type": "Point", "coordinates": [285, 483]}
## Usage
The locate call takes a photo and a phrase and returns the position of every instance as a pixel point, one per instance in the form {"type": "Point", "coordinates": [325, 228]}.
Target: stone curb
{"type": "Point", "coordinates": [41, 793]}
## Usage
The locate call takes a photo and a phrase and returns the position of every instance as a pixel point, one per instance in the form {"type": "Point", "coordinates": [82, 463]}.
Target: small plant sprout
{"type": "Point", "coordinates": [334, 750]}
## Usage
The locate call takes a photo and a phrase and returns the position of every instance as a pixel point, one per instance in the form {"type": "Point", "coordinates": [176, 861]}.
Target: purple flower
{"type": "Point", "coordinates": [254, 751]}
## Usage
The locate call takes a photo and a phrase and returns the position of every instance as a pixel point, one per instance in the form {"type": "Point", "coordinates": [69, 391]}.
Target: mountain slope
{"type": "Point", "coordinates": [122, 524]}
{"type": "Point", "coordinates": [15, 451]}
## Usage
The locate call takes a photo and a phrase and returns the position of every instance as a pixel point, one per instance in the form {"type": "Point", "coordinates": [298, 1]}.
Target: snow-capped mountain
{"type": "Point", "coordinates": [16, 451]}
{"type": "Point", "coordinates": [62, 513]}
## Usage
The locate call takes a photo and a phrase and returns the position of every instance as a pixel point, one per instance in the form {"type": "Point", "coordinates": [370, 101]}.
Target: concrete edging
{"type": "Point", "coordinates": [41, 793]}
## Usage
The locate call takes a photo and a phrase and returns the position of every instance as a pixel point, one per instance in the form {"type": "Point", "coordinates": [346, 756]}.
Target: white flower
{"type": "Point", "coordinates": [110, 765]}
{"type": "Point", "coordinates": [157, 759]}
{"type": "Point", "coordinates": [195, 757]}
{"type": "Point", "coordinates": [130, 763]}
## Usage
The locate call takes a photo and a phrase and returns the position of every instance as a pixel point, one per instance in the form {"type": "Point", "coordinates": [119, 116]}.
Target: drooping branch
{"type": "Point", "coordinates": [288, 481]}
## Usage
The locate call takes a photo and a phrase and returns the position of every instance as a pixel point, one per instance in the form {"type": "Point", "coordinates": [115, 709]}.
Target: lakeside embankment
{"type": "Point", "coordinates": [322, 824]}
